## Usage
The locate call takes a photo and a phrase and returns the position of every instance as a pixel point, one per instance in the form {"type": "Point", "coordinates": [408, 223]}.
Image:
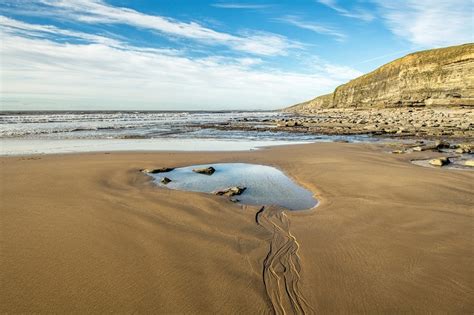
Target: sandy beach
{"type": "Point", "coordinates": [89, 233]}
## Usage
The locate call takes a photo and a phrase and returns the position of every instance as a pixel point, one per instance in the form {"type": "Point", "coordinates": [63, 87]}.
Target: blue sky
{"type": "Point", "coordinates": [171, 55]}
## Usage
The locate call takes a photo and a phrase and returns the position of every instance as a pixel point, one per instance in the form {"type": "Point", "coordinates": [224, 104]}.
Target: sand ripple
{"type": "Point", "coordinates": [281, 267]}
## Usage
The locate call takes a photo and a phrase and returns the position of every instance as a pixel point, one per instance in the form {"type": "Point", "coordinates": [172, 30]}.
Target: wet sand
{"type": "Point", "coordinates": [90, 233]}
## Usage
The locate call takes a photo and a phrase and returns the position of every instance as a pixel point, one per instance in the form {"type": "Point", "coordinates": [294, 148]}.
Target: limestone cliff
{"type": "Point", "coordinates": [440, 77]}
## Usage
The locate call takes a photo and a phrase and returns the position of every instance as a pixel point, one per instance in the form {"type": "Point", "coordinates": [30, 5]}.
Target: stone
{"type": "Point", "coordinates": [440, 161]}
{"type": "Point", "coordinates": [441, 144]}
{"type": "Point", "coordinates": [469, 163]}
{"type": "Point", "coordinates": [398, 152]}
{"type": "Point", "coordinates": [165, 180]}
{"type": "Point", "coordinates": [424, 148]}
{"type": "Point", "coordinates": [231, 191]}
{"type": "Point", "coordinates": [157, 170]}
{"type": "Point", "coordinates": [465, 147]}
{"type": "Point", "coordinates": [462, 150]}
{"type": "Point", "coordinates": [205, 170]}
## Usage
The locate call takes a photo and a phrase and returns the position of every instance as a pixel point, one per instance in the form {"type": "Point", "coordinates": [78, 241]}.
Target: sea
{"type": "Point", "coordinates": [25, 133]}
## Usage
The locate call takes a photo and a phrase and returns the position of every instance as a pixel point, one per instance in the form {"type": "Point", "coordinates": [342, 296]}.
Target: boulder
{"type": "Point", "coordinates": [440, 161]}
{"type": "Point", "coordinates": [398, 152]}
{"type": "Point", "coordinates": [205, 170]}
{"type": "Point", "coordinates": [462, 150]}
{"type": "Point", "coordinates": [231, 191]}
{"type": "Point", "coordinates": [165, 180]}
{"type": "Point", "coordinates": [440, 144]}
{"type": "Point", "coordinates": [157, 170]}
{"type": "Point", "coordinates": [424, 148]}
{"type": "Point", "coordinates": [469, 163]}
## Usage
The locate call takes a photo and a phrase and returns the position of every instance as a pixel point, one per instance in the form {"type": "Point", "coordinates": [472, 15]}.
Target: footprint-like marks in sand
{"type": "Point", "coordinates": [282, 267]}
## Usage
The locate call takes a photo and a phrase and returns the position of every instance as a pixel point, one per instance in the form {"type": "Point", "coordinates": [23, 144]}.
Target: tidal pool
{"type": "Point", "coordinates": [265, 185]}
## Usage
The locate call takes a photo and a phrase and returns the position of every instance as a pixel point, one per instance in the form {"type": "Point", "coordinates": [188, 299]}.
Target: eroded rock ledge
{"type": "Point", "coordinates": [442, 77]}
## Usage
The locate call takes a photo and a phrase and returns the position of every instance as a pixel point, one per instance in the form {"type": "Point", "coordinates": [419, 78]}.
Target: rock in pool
{"type": "Point", "coordinates": [157, 170]}
{"type": "Point", "coordinates": [206, 170]}
{"type": "Point", "coordinates": [165, 180]}
{"type": "Point", "coordinates": [440, 161]}
{"type": "Point", "coordinates": [231, 191]}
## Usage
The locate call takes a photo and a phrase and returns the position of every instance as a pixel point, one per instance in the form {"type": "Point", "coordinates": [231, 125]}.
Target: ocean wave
{"type": "Point", "coordinates": [118, 125]}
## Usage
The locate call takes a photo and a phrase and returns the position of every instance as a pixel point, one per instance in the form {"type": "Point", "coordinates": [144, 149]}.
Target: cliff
{"type": "Point", "coordinates": [437, 77]}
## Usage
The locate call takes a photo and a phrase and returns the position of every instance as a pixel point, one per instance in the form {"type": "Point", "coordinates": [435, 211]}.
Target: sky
{"type": "Point", "coordinates": [207, 55]}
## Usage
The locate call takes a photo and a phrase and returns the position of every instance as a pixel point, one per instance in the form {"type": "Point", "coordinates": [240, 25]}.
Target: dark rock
{"type": "Point", "coordinates": [157, 170]}
{"type": "Point", "coordinates": [231, 191]}
{"type": "Point", "coordinates": [441, 144]}
{"type": "Point", "coordinates": [165, 180]}
{"type": "Point", "coordinates": [206, 170]}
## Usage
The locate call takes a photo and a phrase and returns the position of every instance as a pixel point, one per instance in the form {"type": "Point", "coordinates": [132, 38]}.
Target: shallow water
{"type": "Point", "coordinates": [41, 146]}
{"type": "Point", "coordinates": [69, 132]}
{"type": "Point", "coordinates": [265, 185]}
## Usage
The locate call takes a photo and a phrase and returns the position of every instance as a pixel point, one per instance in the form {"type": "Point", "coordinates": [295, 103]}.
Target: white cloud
{"type": "Point", "coordinates": [314, 27]}
{"type": "Point", "coordinates": [356, 13]}
{"type": "Point", "coordinates": [230, 5]}
{"type": "Point", "coordinates": [98, 12]}
{"type": "Point", "coordinates": [47, 31]}
{"type": "Point", "coordinates": [110, 74]}
{"type": "Point", "coordinates": [431, 22]}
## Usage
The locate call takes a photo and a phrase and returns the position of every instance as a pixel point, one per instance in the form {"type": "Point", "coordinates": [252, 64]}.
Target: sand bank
{"type": "Point", "coordinates": [90, 233]}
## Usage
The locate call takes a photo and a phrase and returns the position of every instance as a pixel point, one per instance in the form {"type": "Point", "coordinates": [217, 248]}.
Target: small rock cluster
{"type": "Point", "coordinates": [400, 122]}
{"type": "Point", "coordinates": [228, 192]}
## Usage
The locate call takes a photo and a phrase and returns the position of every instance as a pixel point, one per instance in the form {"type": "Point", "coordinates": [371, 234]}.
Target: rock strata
{"type": "Point", "coordinates": [437, 77]}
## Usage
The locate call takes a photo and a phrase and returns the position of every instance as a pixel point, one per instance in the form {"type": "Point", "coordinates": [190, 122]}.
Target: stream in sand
{"type": "Point", "coordinates": [265, 185]}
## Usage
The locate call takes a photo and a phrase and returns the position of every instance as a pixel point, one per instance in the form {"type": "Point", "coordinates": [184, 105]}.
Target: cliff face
{"type": "Point", "coordinates": [442, 76]}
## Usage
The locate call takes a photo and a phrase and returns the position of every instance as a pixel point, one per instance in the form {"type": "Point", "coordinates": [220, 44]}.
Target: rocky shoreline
{"type": "Point", "coordinates": [452, 123]}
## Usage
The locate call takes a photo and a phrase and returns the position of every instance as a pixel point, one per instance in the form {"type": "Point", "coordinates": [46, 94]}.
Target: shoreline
{"type": "Point", "coordinates": [119, 145]}
{"type": "Point", "coordinates": [386, 235]}
{"type": "Point", "coordinates": [396, 123]}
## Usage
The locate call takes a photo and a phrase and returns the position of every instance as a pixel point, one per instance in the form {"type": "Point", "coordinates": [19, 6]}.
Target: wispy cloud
{"type": "Point", "coordinates": [230, 5]}
{"type": "Point", "coordinates": [431, 22]}
{"type": "Point", "coordinates": [312, 26]}
{"type": "Point", "coordinates": [356, 13]}
{"type": "Point", "coordinates": [49, 31]}
{"type": "Point", "coordinates": [36, 66]}
{"type": "Point", "coordinates": [98, 12]}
